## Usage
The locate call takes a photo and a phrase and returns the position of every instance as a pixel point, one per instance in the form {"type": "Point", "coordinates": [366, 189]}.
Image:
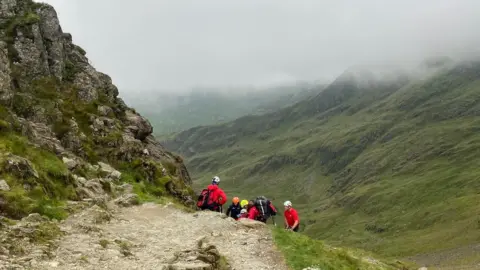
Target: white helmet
{"type": "Point", "coordinates": [216, 179]}
{"type": "Point", "coordinates": [287, 203]}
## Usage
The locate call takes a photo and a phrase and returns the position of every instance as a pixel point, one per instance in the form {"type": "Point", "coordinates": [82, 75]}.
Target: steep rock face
{"type": "Point", "coordinates": [50, 94]}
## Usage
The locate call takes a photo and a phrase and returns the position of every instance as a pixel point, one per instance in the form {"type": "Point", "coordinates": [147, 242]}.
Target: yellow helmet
{"type": "Point", "coordinates": [243, 203]}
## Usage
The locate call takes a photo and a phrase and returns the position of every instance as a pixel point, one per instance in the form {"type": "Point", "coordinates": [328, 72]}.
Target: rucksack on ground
{"type": "Point", "coordinates": [202, 201]}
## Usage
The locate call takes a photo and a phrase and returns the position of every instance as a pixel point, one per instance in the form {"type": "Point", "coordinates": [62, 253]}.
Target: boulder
{"type": "Point", "coordinates": [79, 181]}
{"type": "Point", "coordinates": [138, 125]}
{"type": "Point", "coordinates": [91, 189]}
{"type": "Point", "coordinates": [4, 186]}
{"type": "Point", "coordinates": [34, 218]}
{"type": "Point", "coordinates": [252, 224]}
{"type": "Point", "coordinates": [41, 134]}
{"type": "Point", "coordinates": [109, 171]}
{"type": "Point", "coordinates": [127, 200]}
{"type": "Point", "coordinates": [20, 167]}
{"type": "Point", "coordinates": [70, 163]}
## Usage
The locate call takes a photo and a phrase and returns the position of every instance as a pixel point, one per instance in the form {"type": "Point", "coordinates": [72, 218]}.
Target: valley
{"type": "Point", "coordinates": [389, 166]}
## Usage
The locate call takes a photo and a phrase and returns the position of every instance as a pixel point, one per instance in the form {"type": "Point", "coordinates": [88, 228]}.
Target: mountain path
{"type": "Point", "coordinates": [153, 236]}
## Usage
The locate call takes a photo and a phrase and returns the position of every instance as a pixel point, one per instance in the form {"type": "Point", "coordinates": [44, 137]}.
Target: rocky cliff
{"type": "Point", "coordinates": [65, 134]}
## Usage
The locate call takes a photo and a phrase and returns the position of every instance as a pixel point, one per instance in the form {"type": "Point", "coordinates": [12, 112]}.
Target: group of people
{"type": "Point", "coordinates": [213, 198]}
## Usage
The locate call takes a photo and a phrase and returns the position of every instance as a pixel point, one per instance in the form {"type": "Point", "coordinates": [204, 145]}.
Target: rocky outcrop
{"type": "Point", "coordinates": [63, 105]}
{"type": "Point", "coordinates": [139, 126]}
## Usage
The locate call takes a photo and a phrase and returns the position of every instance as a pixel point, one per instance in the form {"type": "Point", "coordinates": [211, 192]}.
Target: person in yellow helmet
{"type": "Point", "coordinates": [244, 204]}
{"type": "Point", "coordinates": [234, 209]}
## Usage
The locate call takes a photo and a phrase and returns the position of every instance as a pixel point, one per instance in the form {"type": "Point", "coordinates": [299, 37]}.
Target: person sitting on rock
{"type": "Point", "coordinates": [217, 197]}
{"type": "Point", "coordinates": [234, 209]}
{"type": "Point", "coordinates": [292, 222]}
{"type": "Point", "coordinates": [244, 204]}
{"type": "Point", "coordinates": [243, 214]}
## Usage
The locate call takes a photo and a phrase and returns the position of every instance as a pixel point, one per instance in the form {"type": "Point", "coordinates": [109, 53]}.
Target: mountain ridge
{"type": "Point", "coordinates": [350, 150]}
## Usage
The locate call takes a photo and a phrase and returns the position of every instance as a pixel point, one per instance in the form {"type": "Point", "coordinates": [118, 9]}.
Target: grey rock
{"type": "Point", "coordinates": [79, 181]}
{"type": "Point", "coordinates": [95, 186]}
{"type": "Point", "coordinates": [34, 218]}
{"type": "Point", "coordinates": [51, 31]}
{"type": "Point", "coordinates": [110, 171]}
{"type": "Point", "coordinates": [5, 92]}
{"type": "Point", "coordinates": [250, 223]}
{"type": "Point", "coordinates": [127, 200]}
{"type": "Point", "coordinates": [72, 142]}
{"type": "Point", "coordinates": [108, 87]}
{"type": "Point", "coordinates": [41, 135]}
{"type": "Point", "coordinates": [20, 167]}
{"type": "Point", "coordinates": [138, 125]}
{"type": "Point", "coordinates": [7, 8]}
{"type": "Point", "coordinates": [91, 189]}
{"type": "Point", "coordinates": [33, 62]}
{"type": "Point", "coordinates": [4, 186]}
{"type": "Point", "coordinates": [70, 163]}
{"type": "Point", "coordinates": [87, 83]}
{"type": "Point", "coordinates": [104, 110]}
{"type": "Point", "coordinates": [93, 168]}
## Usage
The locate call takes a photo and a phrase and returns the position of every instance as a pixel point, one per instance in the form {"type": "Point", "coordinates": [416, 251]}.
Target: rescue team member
{"type": "Point", "coordinates": [234, 209]}
{"type": "Point", "coordinates": [292, 222]}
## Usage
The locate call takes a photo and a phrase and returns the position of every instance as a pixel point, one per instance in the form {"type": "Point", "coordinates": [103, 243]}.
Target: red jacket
{"type": "Point", "coordinates": [216, 195]}
{"type": "Point", "coordinates": [252, 212]}
{"type": "Point", "coordinates": [291, 216]}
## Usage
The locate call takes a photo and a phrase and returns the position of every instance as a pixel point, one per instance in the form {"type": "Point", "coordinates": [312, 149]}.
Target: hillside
{"type": "Point", "coordinates": [170, 112]}
{"type": "Point", "coordinates": [65, 135]}
{"type": "Point", "coordinates": [388, 165]}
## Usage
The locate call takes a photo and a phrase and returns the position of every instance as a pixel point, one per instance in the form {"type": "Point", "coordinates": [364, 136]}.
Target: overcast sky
{"type": "Point", "coordinates": [176, 44]}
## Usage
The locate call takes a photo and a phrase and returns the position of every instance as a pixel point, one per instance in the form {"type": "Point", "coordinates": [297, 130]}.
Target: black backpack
{"type": "Point", "coordinates": [263, 207]}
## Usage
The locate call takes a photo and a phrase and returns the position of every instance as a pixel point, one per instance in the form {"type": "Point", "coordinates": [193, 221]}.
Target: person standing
{"type": "Point", "coordinates": [234, 209]}
{"type": "Point", "coordinates": [212, 197]}
{"type": "Point", "coordinates": [292, 222]}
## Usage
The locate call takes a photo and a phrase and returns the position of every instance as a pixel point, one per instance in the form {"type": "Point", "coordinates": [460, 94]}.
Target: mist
{"type": "Point", "coordinates": [176, 45]}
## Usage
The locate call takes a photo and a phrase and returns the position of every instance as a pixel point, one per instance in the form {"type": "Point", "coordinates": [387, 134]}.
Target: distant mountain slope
{"type": "Point", "coordinates": [390, 166]}
{"type": "Point", "coordinates": [176, 112]}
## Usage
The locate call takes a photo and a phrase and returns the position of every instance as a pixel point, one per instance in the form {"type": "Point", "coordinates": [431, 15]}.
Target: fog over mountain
{"type": "Point", "coordinates": [169, 46]}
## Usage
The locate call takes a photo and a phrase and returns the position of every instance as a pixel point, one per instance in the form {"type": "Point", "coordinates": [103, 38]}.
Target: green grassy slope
{"type": "Point", "coordinates": [387, 167]}
{"type": "Point", "coordinates": [301, 252]}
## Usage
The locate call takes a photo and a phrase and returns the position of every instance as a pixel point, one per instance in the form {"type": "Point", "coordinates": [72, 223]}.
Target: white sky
{"type": "Point", "coordinates": [177, 44]}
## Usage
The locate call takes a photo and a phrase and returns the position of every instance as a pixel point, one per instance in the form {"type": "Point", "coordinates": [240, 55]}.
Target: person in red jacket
{"type": "Point", "coordinates": [254, 212]}
{"type": "Point", "coordinates": [217, 197]}
{"type": "Point", "coordinates": [292, 222]}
